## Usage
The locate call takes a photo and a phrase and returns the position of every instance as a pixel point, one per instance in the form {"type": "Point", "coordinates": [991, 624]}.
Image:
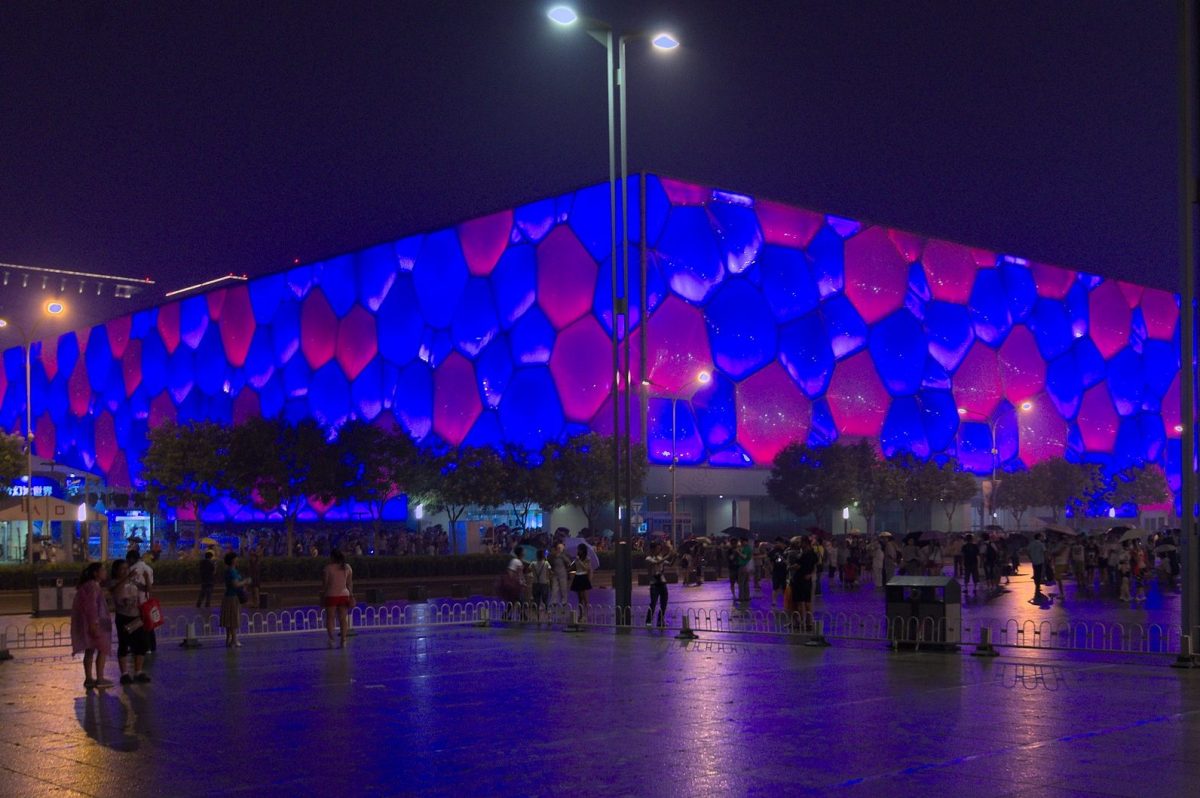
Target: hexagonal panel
{"type": "Point", "coordinates": [483, 241]}
{"type": "Point", "coordinates": [991, 316]}
{"type": "Point", "coordinates": [671, 427]}
{"type": "Point", "coordinates": [356, 341]}
{"type": "Point", "coordinates": [318, 330]}
{"type": "Point", "coordinates": [977, 382]}
{"type": "Point", "coordinates": [903, 430]}
{"type": "Point", "coordinates": [1161, 312]}
{"type": "Point", "coordinates": [1052, 282]}
{"type": "Point", "coordinates": [565, 277]}
{"type": "Point", "coordinates": [1042, 433]}
{"type": "Point", "coordinates": [771, 413]}
{"type": "Point", "coordinates": [493, 367]}
{"type": "Point", "coordinates": [787, 226]}
{"type": "Point", "coordinates": [741, 329]}
{"type": "Point", "coordinates": [582, 368]}
{"type": "Point", "coordinates": [413, 403]}
{"type": "Point", "coordinates": [475, 322]}
{"type": "Point", "coordinates": [858, 401]}
{"type": "Point", "coordinates": [876, 274]}
{"type": "Point", "coordinates": [847, 331]}
{"type": "Point", "coordinates": [237, 325]}
{"type": "Point", "coordinates": [1098, 420]}
{"type": "Point", "coordinates": [439, 276]}
{"type": "Point", "coordinates": [456, 402]}
{"type": "Point", "coordinates": [1110, 315]}
{"type": "Point", "coordinates": [532, 338]}
{"type": "Point", "coordinates": [738, 235]}
{"type": "Point", "coordinates": [338, 282]}
{"type": "Point", "coordinates": [950, 269]}
{"type": "Point", "coordinates": [805, 352]}
{"type": "Point", "coordinates": [950, 333]}
{"type": "Point", "coordinates": [1022, 370]}
{"type": "Point", "coordinates": [530, 411]}
{"type": "Point", "coordinates": [399, 327]}
{"type": "Point", "coordinates": [899, 348]}
{"type": "Point", "coordinates": [788, 282]}
{"type": "Point", "coordinates": [676, 347]}
{"type": "Point", "coordinates": [715, 407]}
{"type": "Point", "coordinates": [690, 259]}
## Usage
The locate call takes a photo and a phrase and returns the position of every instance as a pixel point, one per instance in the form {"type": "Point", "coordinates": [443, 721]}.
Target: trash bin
{"type": "Point", "coordinates": [54, 593]}
{"type": "Point", "coordinates": [924, 611]}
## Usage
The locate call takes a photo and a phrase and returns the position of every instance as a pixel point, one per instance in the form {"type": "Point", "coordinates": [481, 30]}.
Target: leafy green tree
{"type": "Point", "coordinates": [184, 466]}
{"type": "Point", "coordinates": [1068, 485]}
{"type": "Point", "coordinates": [875, 483]}
{"type": "Point", "coordinates": [467, 477]}
{"type": "Point", "coordinates": [1017, 492]}
{"type": "Point", "coordinates": [277, 466]}
{"type": "Point", "coordinates": [813, 481]}
{"type": "Point", "coordinates": [918, 480]}
{"type": "Point", "coordinates": [12, 458]}
{"type": "Point", "coordinates": [953, 486]}
{"type": "Point", "coordinates": [527, 480]}
{"type": "Point", "coordinates": [1140, 485]}
{"type": "Point", "coordinates": [381, 464]}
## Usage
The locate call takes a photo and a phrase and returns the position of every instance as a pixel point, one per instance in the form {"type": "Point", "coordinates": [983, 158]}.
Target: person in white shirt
{"type": "Point", "coordinates": [540, 572]}
{"type": "Point", "coordinates": [141, 572]}
{"type": "Point", "coordinates": [656, 563]}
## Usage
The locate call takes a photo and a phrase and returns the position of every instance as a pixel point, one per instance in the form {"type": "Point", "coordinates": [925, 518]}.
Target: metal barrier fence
{"type": "Point", "coordinates": [1061, 635]}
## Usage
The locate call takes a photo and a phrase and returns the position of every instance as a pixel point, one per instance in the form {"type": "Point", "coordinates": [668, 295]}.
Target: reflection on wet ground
{"type": "Point", "coordinates": [511, 711]}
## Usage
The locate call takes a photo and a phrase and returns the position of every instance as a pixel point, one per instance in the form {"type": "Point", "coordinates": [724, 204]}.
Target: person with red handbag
{"type": "Point", "coordinates": [131, 631]}
{"type": "Point", "coordinates": [141, 571]}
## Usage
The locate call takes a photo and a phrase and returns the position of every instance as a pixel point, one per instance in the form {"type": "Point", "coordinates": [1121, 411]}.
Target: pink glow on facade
{"type": "Point", "coordinates": [581, 365]}
{"type": "Point", "coordinates": [566, 277]}
{"type": "Point", "coordinates": [1171, 410]}
{"type": "Point", "coordinates": [1041, 433]}
{"type": "Point", "coordinates": [44, 436]}
{"type": "Point", "coordinates": [1161, 312]}
{"type": "Point", "coordinates": [131, 367]}
{"type": "Point", "coordinates": [977, 382]}
{"type": "Point", "coordinates": [216, 303]}
{"type": "Point", "coordinates": [1109, 314]}
{"type": "Point", "coordinates": [680, 347]}
{"type": "Point", "coordinates": [106, 441]}
{"type": "Point", "coordinates": [48, 355]}
{"type": "Point", "coordinates": [356, 341]}
{"type": "Point", "coordinates": [857, 398]}
{"type": "Point", "coordinates": [771, 413]}
{"type": "Point", "coordinates": [1022, 370]}
{"type": "Point", "coordinates": [1052, 282]}
{"type": "Point", "coordinates": [161, 409]}
{"type": "Point", "coordinates": [118, 335]}
{"type": "Point", "coordinates": [246, 406]}
{"type": "Point", "coordinates": [168, 327]}
{"type": "Point", "coordinates": [456, 402]}
{"type": "Point", "coordinates": [909, 244]}
{"type": "Point", "coordinates": [1132, 293]}
{"type": "Point", "coordinates": [79, 390]}
{"type": "Point", "coordinates": [483, 241]}
{"type": "Point", "coordinates": [950, 270]}
{"type": "Point", "coordinates": [237, 325]}
{"type": "Point", "coordinates": [680, 193]}
{"type": "Point", "coordinates": [787, 226]}
{"type": "Point", "coordinates": [318, 330]}
{"type": "Point", "coordinates": [1098, 420]}
{"type": "Point", "coordinates": [876, 274]}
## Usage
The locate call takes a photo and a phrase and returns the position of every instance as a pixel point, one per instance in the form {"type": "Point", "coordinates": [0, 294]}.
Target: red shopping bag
{"type": "Point", "coordinates": [152, 616]}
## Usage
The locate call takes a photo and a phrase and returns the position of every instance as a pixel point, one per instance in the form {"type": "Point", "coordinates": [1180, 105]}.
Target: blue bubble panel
{"type": "Point", "coordinates": [741, 330]}
{"type": "Point", "coordinates": [1019, 288]}
{"type": "Point", "coordinates": [440, 276]}
{"type": "Point", "coordinates": [805, 352]}
{"type": "Point", "coordinates": [903, 429]}
{"type": "Point", "coordinates": [532, 338]}
{"type": "Point", "coordinates": [530, 411]}
{"type": "Point", "coordinates": [1052, 328]}
{"type": "Point", "coordinates": [788, 282]}
{"type": "Point", "coordinates": [989, 304]}
{"type": "Point", "coordinates": [898, 347]}
{"type": "Point", "coordinates": [397, 323]}
{"type": "Point", "coordinates": [1064, 385]}
{"type": "Point", "coordinates": [591, 221]}
{"type": "Point", "coordinates": [827, 251]}
{"type": "Point", "coordinates": [846, 329]}
{"type": "Point", "coordinates": [514, 283]}
{"type": "Point", "coordinates": [475, 323]}
{"type": "Point", "coordinates": [715, 406]}
{"type": "Point", "coordinates": [493, 368]}
{"type": "Point", "coordinates": [413, 402]}
{"type": "Point", "coordinates": [338, 282]}
{"type": "Point", "coordinates": [685, 443]}
{"type": "Point", "coordinates": [939, 414]}
{"type": "Point", "coordinates": [1127, 381]}
{"type": "Point", "coordinates": [690, 259]}
{"type": "Point", "coordinates": [738, 234]}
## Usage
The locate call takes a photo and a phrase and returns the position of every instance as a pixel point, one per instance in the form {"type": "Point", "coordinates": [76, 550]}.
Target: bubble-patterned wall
{"type": "Point", "coordinates": [811, 326]}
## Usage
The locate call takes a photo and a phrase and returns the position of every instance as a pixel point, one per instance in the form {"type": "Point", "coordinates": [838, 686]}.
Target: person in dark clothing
{"type": "Point", "coordinates": [970, 562]}
{"type": "Point", "coordinates": [779, 570]}
{"type": "Point", "coordinates": [208, 576]}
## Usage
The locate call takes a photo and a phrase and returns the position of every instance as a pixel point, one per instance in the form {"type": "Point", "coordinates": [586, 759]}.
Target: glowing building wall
{"type": "Point", "coordinates": [813, 327]}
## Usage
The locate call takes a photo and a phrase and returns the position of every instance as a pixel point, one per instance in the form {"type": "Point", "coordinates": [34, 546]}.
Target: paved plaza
{"type": "Point", "coordinates": [468, 711]}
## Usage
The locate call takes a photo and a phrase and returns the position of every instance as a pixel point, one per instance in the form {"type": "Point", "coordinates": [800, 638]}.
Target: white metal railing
{"type": "Point", "coordinates": [1063, 635]}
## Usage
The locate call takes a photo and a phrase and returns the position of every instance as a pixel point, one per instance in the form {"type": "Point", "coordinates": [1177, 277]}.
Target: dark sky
{"type": "Point", "coordinates": [185, 140]}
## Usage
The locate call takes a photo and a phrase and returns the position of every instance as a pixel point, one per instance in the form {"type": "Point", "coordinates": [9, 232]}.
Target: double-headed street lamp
{"type": "Point", "coordinates": [702, 379]}
{"type": "Point", "coordinates": [602, 32]}
{"type": "Point", "coordinates": [50, 310]}
{"type": "Point", "coordinates": [992, 421]}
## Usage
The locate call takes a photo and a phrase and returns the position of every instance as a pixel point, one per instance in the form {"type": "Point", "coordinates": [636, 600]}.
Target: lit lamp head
{"type": "Point", "coordinates": [1026, 406]}
{"type": "Point", "coordinates": [704, 378]}
{"type": "Point", "coordinates": [3, 323]}
{"type": "Point", "coordinates": [563, 15]}
{"type": "Point", "coordinates": [664, 41]}
{"type": "Point", "coordinates": [54, 308]}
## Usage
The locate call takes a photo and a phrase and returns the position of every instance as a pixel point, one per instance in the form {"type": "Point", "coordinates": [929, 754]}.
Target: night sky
{"type": "Point", "coordinates": [182, 141]}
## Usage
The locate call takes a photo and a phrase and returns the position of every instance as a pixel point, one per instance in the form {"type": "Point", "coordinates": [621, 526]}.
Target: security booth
{"type": "Point", "coordinates": [924, 611]}
{"type": "Point", "coordinates": [54, 593]}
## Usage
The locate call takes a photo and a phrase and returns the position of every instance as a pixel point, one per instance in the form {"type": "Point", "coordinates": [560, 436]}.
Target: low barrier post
{"type": "Point", "coordinates": [985, 648]}
{"type": "Point", "coordinates": [817, 638]}
{"type": "Point", "coordinates": [1187, 657]}
{"type": "Point", "coordinates": [685, 632]}
{"type": "Point", "coordinates": [189, 640]}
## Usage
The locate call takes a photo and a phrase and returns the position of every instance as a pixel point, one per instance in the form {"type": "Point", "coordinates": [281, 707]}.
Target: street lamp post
{"type": "Point", "coordinates": [51, 309]}
{"type": "Point", "coordinates": [992, 421]}
{"type": "Point", "coordinates": [603, 33]}
{"type": "Point", "coordinates": [703, 378]}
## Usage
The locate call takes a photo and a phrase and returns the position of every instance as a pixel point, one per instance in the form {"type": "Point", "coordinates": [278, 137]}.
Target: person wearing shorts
{"type": "Point", "coordinates": [337, 594]}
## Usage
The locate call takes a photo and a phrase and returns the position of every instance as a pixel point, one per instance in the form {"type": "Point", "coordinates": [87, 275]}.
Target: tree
{"type": "Point", "coordinates": [813, 481]}
{"type": "Point", "coordinates": [381, 464]}
{"type": "Point", "coordinates": [953, 486]}
{"type": "Point", "coordinates": [184, 466]}
{"type": "Point", "coordinates": [918, 480]}
{"type": "Point", "coordinates": [1017, 492]}
{"type": "Point", "coordinates": [1140, 485]}
{"type": "Point", "coordinates": [875, 483]}
{"type": "Point", "coordinates": [527, 480]}
{"type": "Point", "coordinates": [1067, 485]}
{"type": "Point", "coordinates": [466, 477]}
{"type": "Point", "coordinates": [277, 467]}
{"type": "Point", "coordinates": [12, 458]}
{"type": "Point", "coordinates": [583, 473]}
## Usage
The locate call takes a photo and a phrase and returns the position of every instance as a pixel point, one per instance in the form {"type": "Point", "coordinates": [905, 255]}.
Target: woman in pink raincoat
{"type": "Point", "coordinates": [91, 628]}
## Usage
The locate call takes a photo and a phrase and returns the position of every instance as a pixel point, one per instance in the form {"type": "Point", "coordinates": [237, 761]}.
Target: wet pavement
{"type": "Point", "coordinates": [467, 711]}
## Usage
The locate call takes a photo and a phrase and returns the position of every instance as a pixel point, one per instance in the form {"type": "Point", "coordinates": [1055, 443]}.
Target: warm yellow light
{"type": "Point", "coordinates": [1027, 405]}
{"type": "Point", "coordinates": [55, 308]}
{"type": "Point", "coordinates": [962, 411]}
{"type": "Point", "coordinates": [703, 378]}
{"type": "Point", "coordinates": [3, 324]}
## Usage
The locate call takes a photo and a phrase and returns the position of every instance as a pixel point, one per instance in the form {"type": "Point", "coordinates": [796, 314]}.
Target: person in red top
{"type": "Point", "coordinates": [91, 627]}
{"type": "Point", "coordinates": [337, 593]}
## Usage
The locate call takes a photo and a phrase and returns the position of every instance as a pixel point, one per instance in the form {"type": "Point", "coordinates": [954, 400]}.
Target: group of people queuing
{"type": "Point", "coordinates": [532, 588]}
{"type": "Point", "coordinates": [113, 597]}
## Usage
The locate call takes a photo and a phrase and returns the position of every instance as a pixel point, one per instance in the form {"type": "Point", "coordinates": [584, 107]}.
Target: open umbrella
{"type": "Point", "coordinates": [1061, 530]}
{"type": "Point", "coordinates": [208, 542]}
{"type": "Point", "coordinates": [885, 534]}
{"type": "Point", "coordinates": [735, 532]}
{"type": "Point", "coordinates": [1133, 533]}
{"type": "Point", "coordinates": [1164, 548]}
{"type": "Point", "coordinates": [798, 539]}
{"type": "Point", "coordinates": [572, 545]}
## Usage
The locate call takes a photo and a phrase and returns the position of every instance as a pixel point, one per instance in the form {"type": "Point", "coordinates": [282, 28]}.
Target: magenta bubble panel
{"type": "Point", "coordinates": [767, 323]}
